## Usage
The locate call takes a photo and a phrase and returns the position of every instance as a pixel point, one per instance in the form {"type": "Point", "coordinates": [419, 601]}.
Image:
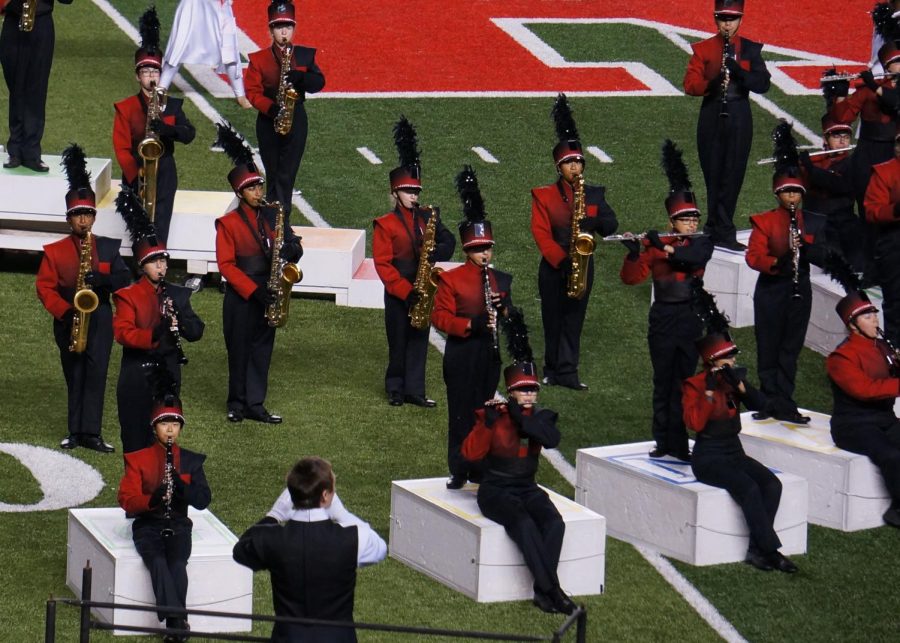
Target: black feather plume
{"type": "Point", "coordinates": [517, 336]}
{"type": "Point", "coordinates": [705, 307]}
{"type": "Point", "coordinates": [840, 271]}
{"type": "Point", "coordinates": [163, 385]}
{"type": "Point", "coordinates": [148, 25]}
{"type": "Point", "coordinates": [470, 194]}
{"type": "Point", "coordinates": [563, 120]}
{"type": "Point", "coordinates": [235, 146]}
{"type": "Point", "coordinates": [884, 21]}
{"type": "Point", "coordinates": [74, 162]}
{"type": "Point", "coordinates": [674, 167]}
{"type": "Point", "coordinates": [129, 206]}
{"type": "Point", "coordinates": [407, 143]}
{"type": "Point", "coordinates": [786, 157]}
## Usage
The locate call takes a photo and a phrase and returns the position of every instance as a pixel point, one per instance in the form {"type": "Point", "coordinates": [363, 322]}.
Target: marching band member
{"type": "Point", "coordinates": [57, 281]}
{"type": "Point", "coordinates": [397, 251]}
{"type": "Point", "coordinates": [780, 249]}
{"type": "Point", "coordinates": [131, 126]}
{"type": "Point", "coordinates": [507, 438]}
{"type": "Point", "coordinates": [244, 242]}
{"type": "Point", "coordinates": [881, 13]}
{"type": "Point", "coordinates": [159, 483]}
{"type": "Point", "coordinates": [724, 70]}
{"type": "Point", "coordinates": [711, 408]}
{"type": "Point", "coordinates": [152, 318]}
{"type": "Point", "coordinates": [468, 303]}
{"type": "Point", "coordinates": [552, 209]}
{"type": "Point", "coordinates": [676, 264]}
{"type": "Point", "coordinates": [281, 153]}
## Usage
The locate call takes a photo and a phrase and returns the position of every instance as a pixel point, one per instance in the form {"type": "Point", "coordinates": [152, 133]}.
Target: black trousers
{"type": "Point", "coordinates": [135, 396]}
{"type": "Point", "coordinates": [249, 341]}
{"type": "Point", "coordinates": [868, 152]}
{"type": "Point", "coordinates": [166, 187]}
{"type": "Point", "coordinates": [723, 144]}
{"type": "Point", "coordinates": [26, 58]}
{"type": "Point", "coordinates": [531, 520]}
{"type": "Point", "coordinates": [407, 350]}
{"type": "Point", "coordinates": [887, 260]}
{"type": "Point", "coordinates": [85, 372]}
{"type": "Point", "coordinates": [879, 440]}
{"type": "Point", "coordinates": [166, 558]}
{"type": "Point", "coordinates": [563, 319]}
{"type": "Point", "coordinates": [780, 326]}
{"type": "Point", "coordinates": [846, 232]}
{"type": "Point", "coordinates": [672, 329]}
{"type": "Point", "coordinates": [471, 373]}
{"type": "Point", "coordinates": [757, 491]}
{"type": "Point", "coordinates": [281, 155]}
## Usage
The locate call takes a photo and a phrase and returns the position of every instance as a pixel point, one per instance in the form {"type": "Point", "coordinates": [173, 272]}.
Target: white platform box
{"type": "Point", "coordinates": [215, 581]}
{"type": "Point", "coordinates": [31, 196]}
{"type": "Point", "coordinates": [660, 504]}
{"type": "Point", "coordinates": [846, 491]}
{"type": "Point", "coordinates": [442, 534]}
{"type": "Point", "coordinates": [731, 281]}
{"type": "Point", "coordinates": [826, 330]}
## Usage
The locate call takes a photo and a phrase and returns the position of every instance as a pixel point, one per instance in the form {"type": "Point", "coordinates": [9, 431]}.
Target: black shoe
{"type": "Point", "coordinates": [69, 442]}
{"type": "Point", "coordinates": [548, 381]}
{"type": "Point", "coordinates": [456, 481]}
{"type": "Point", "coordinates": [234, 416]}
{"type": "Point", "coordinates": [575, 385]}
{"type": "Point", "coordinates": [684, 456]}
{"type": "Point", "coordinates": [793, 418]}
{"type": "Point", "coordinates": [36, 166]}
{"type": "Point", "coordinates": [543, 602]}
{"type": "Point", "coordinates": [395, 399]}
{"type": "Point", "coordinates": [96, 443]}
{"type": "Point", "coordinates": [782, 563]}
{"type": "Point", "coordinates": [761, 415]}
{"type": "Point", "coordinates": [732, 244]}
{"type": "Point", "coordinates": [892, 516]}
{"type": "Point", "coordinates": [13, 162]}
{"type": "Point", "coordinates": [419, 400]}
{"type": "Point", "coordinates": [265, 417]}
{"type": "Point", "coordinates": [561, 601]}
{"type": "Point", "coordinates": [657, 453]}
{"type": "Point", "coordinates": [759, 560]}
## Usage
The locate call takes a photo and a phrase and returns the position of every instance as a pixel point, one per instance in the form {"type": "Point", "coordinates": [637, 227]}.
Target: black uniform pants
{"type": "Point", "coordinates": [531, 520]}
{"type": "Point", "coordinates": [85, 372]}
{"type": "Point", "coordinates": [281, 155]}
{"type": "Point", "coordinates": [563, 319]}
{"type": "Point", "coordinates": [868, 152]}
{"type": "Point", "coordinates": [723, 144]}
{"type": "Point", "coordinates": [757, 491]}
{"type": "Point", "coordinates": [407, 350]}
{"type": "Point", "coordinates": [166, 558]}
{"type": "Point", "coordinates": [672, 329]}
{"type": "Point", "coordinates": [135, 396]}
{"type": "Point", "coordinates": [26, 58]}
{"type": "Point", "coordinates": [249, 341]}
{"type": "Point", "coordinates": [877, 440]}
{"type": "Point", "coordinates": [471, 373]}
{"type": "Point", "coordinates": [780, 326]}
{"type": "Point", "coordinates": [887, 260]}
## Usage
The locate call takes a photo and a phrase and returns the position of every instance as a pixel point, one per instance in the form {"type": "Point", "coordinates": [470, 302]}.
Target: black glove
{"type": "Point", "coordinates": [178, 486]}
{"type": "Point", "coordinates": [590, 224]}
{"type": "Point", "coordinates": [491, 413]}
{"type": "Point", "coordinates": [432, 257]}
{"type": "Point", "coordinates": [272, 112]}
{"type": "Point", "coordinates": [161, 128]}
{"type": "Point", "coordinates": [413, 298]}
{"type": "Point", "coordinates": [157, 497]}
{"type": "Point", "coordinates": [731, 376]}
{"type": "Point", "coordinates": [869, 80]}
{"type": "Point", "coordinates": [715, 85]}
{"type": "Point", "coordinates": [785, 263]}
{"type": "Point", "coordinates": [565, 265]}
{"type": "Point", "coordinates": [710, 381]}
{"type": "Point", "coordinates": [97, 280]}
{"type": "Point", "coordinates": [515, 412]}
{"type": "Point", "coordinates": [655, 241]}
{"type": "Point", "coordinates": [262, 296]}
{"type": "Point", "coordinates": [290, 252]}
{"type": "Point", "coordinates": [295, 77]}
{"type": "Point", "coordinates": [897, 210]}
{"type": "Point", "coordinates": [634, 247]}
{"type": "Point", "coordinates": [479, 324]}
{"type": "Point", "coordinates": [835, 88]}
{"type": "Point", "coordinates": [734, 67]}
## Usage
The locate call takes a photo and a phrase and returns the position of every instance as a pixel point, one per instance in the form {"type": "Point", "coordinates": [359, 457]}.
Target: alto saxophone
{"type": "Point", "coordinates": [168, 480]}
{"type": "Point", "coordinates": [85, 300]}
{"type": "Point", "coordinates": [426, 275]}
{"type": "Point", "coordinates": [581, 245]}
{"type": "Point", "coordinates": [794, 245]}
{"type": "Point", "coordinates": [282, 275]}
{"type": "Point", "coordinates": [150, 149]}
{"type": "Point", "coordinates": [29, 11]}
{"type": "Point", "coordinates": [287, 95]}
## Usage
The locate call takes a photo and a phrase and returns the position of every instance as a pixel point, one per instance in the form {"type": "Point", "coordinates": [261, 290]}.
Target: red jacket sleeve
{"type": "Point", "coordinates": [478, 443]}
{"type": "Point", "coordinates": [444, 315]}
{"type": "Point", "coordinates": [46, 289]}
{"type": "Point", "coordinates": [131, 493]}
{"type": "Point", "coordinates": [880, 197]}
{"type": "Point", "coordinates": [635, 271]}
{"type": "Point", "coordinates": [122, 145]}
{"type": "Point", "coordinates": [854, 380]}
{"type": "Point", "coordinates": [542, 233]}
{"type": "Point", "coordinates": [846, 111]}
{"type": "Point", "coordinates": [253, 85]}
{"type": "Point", "coordinates": [695, 81]}
{"type": "Point", "coordinates": [227, 262]}
{"type": "Point", "coordinates": [125, 328]}
{"type": "Point", "coordinates": [758, 256]}
{"type": "Point", "coordinates": [383, 253]}
{"type": "Point", "coordinates": [697, 408]}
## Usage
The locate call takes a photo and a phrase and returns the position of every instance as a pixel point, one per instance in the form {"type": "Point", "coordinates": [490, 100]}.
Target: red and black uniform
{"type": "Point", "coordinates": [140, 495]}
{"type": "Point", "coordinates": [563, 316]}
{"type": "Point", "coordinates": [85, 372]}
{"type": "Point", "coordinates": [718, 458]}
{"type": "Point", "coordinates": [723, 142]}
{"type": "Point", "coordinates": [672, 328]}
{"type": "Point", "coordinates": [471, 364]}
{"type": "Point", "coordinates": [281, 154]}
{"type": "Point", "coordinates": [244, 255]}
{"type": "Point", "coordinates": [883, 213]}
{"type": "Point", "coordinates": [396, 248]}
{"type": "Point", "coordinates": [509, 449]}
{"type": "Point", "coordinates": [779, 316]}
{"type": "Point", "coordinates": [145, 337]}
{"type": "Point", "coordinates": [130, 128]}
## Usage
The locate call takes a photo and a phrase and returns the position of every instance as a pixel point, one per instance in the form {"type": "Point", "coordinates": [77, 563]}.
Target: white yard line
{"type": "Point", "coordinates": [484, 155]}
{"type": "Point", "coordinates": [599, 154]}
{"type": "Point", "coordinates": [369, 155]}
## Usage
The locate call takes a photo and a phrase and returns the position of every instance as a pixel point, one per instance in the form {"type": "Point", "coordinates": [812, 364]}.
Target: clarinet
{"type": "Point", "coordinates": [491, 311]}
{"type": "Point", "coordinates": [794, 244]}
{"type": "Point", "coordinates": [892, 354]}
{"type": "Point", "coordinates": [169, 312]}
{"type": "Point", "coordinates": [726, 78]}
{"type": "Point", "coordinates": [169, 481]}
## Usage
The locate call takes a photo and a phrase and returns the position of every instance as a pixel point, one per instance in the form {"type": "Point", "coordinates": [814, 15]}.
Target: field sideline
{"type": "Point", "coordinates": [327, 371]}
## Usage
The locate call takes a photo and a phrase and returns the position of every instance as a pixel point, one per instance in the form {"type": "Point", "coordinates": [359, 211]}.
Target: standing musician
{"type": "Point", "coordinates": [677, 264]}
{"type": "Point", "coordinates": [272, 75]}
{"type": "Point", "coordinates": [152, 319]}
{"type": "Point", "coordinates": [398, 254]}
{"type": "Point", "coordinates": [103, 271]}
{"type": "Point", "coordinates": [553, 228]}
{"type": "Point", "coordinates": [133, 125]}
{"type": "Point", "coordinates": [26, 56]}
{"type": "Point", "coordinates": [507, 439]}
{"type": "Point", "coordinates": [780, 250]}
{"type": "Point", "coordinates": [159, 483]}
{"type": "Point", "coordinates": [723, 70]}
{"type": "Point", "coordinates": [244, 243]}
{"type": "Point", "coordinates": [469, 301]}
{"type": "Point", "coordinates": [882, 208]}
{"type": "Point", "coordinates": [711, 408]}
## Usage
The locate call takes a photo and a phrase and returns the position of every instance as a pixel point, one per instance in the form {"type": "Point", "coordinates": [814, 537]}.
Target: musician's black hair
{"type": "Point", "coordinates": [235, 146]}
{"type": "Point", "coordinates": [129, 206]}
{"type": "Point", "coordinates": [517, 336]}
{"type": "Point", "coordinates": [787, 161]}
{"type": "Point", "coordinates": [406, 142]}
{"type": "Point", "coordinates": [74, 163]}
{"type": "Point", "coordinates": [563, 119]}
{"type": "Point", "coordinates": [704, 305]}
{"type": "Point", "coordinates": [470, 195]}
{"type": "Point", "coordinates": [148, 25]}
{"type": "Point", "coordinates": [674, 167]}
{"type": "Point", "coordinates": [836, 266]}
